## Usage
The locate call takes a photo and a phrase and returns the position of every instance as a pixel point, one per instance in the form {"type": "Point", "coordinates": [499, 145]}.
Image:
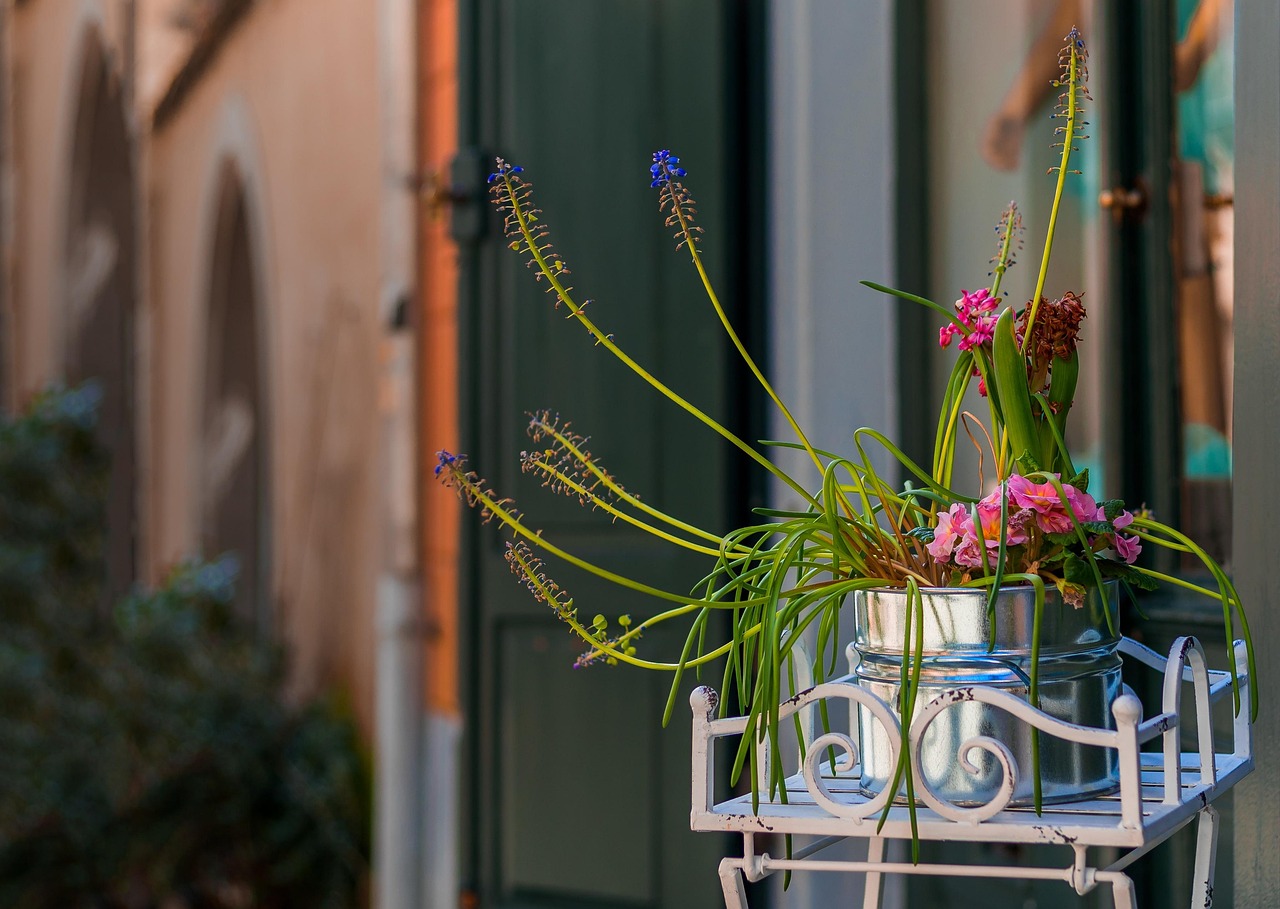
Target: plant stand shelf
{"type": "Point", "coordinates": [1160, 791]}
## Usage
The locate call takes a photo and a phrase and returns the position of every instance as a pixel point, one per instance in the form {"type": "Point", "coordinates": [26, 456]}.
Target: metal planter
{"type": "Point", "coordinates": [1079, 678]}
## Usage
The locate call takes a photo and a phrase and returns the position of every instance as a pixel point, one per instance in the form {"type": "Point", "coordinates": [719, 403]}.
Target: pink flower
{"type": "Point", "coordinates": [951, 527]}
{"type": "Point", "coordinates": [989, 516]}
{"type": "Point", "coordinates": [1042, 498]}
{"type": "Point", "coordinates": [975, 314]}
{"type": "Point", "coordinates": [1127, 548]}
{"type": "Point", "coordinates": [1082, 504]}
{"type": "Point", "coordinates": [1051, 511]}
{"type": "Point", "coordinates": [984, 329]}
{"type": "Point", "coordinates": [971, 305]}
{"type": "Point", "coordinates": [968, 554]}
{"type": "Point", "coordinates": [1055, 522]}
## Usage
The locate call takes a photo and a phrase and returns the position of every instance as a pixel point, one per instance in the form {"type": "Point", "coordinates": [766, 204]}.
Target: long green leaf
{"type": "Point", "coordinates": [1010, 368]}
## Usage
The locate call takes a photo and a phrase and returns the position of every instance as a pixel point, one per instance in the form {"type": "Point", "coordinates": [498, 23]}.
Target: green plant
{"type": "Point", "coordinates": [792, 570]}
{"type": "Point", "coordinates": [147, 754]}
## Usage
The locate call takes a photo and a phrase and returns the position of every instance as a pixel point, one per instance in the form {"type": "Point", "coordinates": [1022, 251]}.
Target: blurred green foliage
{"type": "Point", "coordinates": [147, 755]}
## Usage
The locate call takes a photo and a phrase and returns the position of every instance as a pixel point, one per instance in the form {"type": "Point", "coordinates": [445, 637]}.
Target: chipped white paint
{"type": "Point", "coordinates": [1159, 792]}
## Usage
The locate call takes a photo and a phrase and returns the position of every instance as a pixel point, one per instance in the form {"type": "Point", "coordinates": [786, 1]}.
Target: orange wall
{"type": "Point", "coordinates": [438, 280]}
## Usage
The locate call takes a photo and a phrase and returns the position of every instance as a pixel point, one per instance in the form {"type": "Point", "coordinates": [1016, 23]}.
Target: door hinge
{"type": "Point", "coordinates": [458, 193]}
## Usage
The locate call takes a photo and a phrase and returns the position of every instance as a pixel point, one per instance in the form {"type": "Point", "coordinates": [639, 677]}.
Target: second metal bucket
{"type": "Point", "coordinates": [1079, 678]}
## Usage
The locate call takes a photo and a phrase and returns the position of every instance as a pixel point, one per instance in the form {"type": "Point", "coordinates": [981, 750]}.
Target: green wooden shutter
{"type": "Point", "coordinates": [576, 797]}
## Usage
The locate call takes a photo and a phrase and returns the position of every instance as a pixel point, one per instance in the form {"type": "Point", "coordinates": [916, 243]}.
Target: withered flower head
{"type": "Point", "coordinates": [1056, 331]}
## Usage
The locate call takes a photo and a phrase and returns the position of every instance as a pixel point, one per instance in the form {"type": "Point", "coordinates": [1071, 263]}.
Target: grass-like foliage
{"type": "Point", "coordinates": [1036, 525]}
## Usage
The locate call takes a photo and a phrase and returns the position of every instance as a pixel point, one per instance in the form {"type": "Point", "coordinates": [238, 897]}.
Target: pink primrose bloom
{"type": "Point", "coordinates": [1056, 521]}
{"type": "Point", "coordinates": [1051, 511]}
{"type": "Point", "coordinates": [989, 515]}
{"type": "Point", "coordinates": [989, 518]}
{"type": "Point", "coordinates": [968, 554]}
{"type": "Point", "coordinates": [953, 527]}
{"type": "Point", "coordinates": [1040, 497]}
{"type": "Point", "coordinates": [1082, 504]}
{"type": "Point", "coordinates": [945, 537]}
{"type": "Point", "coordinates": [1127, 548]}
{"type": "Point", "coordinates": [946, 333]}
{"type": "Point", "coordinates": [991, 499]}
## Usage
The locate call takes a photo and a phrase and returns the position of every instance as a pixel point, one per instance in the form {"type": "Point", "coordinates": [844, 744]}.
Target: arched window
{"type": "Point", "coordinates": [235, 474]}
{"type": "Point", "coordinates": [100, 291]}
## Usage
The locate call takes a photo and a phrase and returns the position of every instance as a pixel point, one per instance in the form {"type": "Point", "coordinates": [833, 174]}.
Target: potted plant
{"type": "Point", "coordinates": [1016, 585]}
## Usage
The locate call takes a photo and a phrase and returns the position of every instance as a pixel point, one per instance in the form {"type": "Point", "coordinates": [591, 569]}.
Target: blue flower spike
{"type": "Point", "coordinates": [665, 166]}
{"type": "Point", "coordinates": [505, 170]}
{"type": "Point", "coordinates": [446, 460]}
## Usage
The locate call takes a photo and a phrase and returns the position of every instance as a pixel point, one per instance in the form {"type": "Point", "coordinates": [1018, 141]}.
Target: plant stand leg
{"type": "Point", "coordinates": [1206, 858]}
{"type": "Point", "coordinates": [735, 896]}
{"type": "Point", "coordinates": [1122, 892]}
{"type": "Point", "coordinates": [871, 892]}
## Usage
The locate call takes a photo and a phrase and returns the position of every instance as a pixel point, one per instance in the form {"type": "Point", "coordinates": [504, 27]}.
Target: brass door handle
{"type": "Point", "coordinates": [1121, 201]}
{"type": "Point", "coordinates": [436, 193]}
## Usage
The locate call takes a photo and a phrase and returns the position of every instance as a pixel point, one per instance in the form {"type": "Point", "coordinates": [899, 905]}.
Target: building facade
{"type": "Point", "coordinates": [197, 220]}
{"type": "Point", "coordinates": [262, 225]}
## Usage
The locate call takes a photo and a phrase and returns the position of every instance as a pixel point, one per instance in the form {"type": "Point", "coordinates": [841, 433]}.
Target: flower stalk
{"type": "Point", "coordinates": [790, 571]}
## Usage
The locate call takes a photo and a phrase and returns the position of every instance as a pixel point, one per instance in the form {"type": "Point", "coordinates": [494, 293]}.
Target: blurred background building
{"type": "Point", "coordinates": [195, 219]}
{"type": "Point", "coordinates": [262, 225]}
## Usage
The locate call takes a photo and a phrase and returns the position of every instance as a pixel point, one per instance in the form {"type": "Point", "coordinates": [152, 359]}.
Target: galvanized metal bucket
{"type": "Point", "coordinates": [1079, 678]}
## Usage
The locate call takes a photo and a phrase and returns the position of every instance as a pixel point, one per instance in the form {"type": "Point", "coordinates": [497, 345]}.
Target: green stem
{"type": "Point", "coordinates": [612, 485]}
{"type": "Point", "coordinates": [1006, 244]}
{"type": "Point", "coordinates": [1068, 136]}
{"type": "Point", "coordinates": [581, 491]}
{"type": "Point", "coordinates": [733, 335]}
{"type": "Point", "coordinates": [495, 508]}
{"type": "Point", "coordinates": [1229, 597]}
{"type": "Point", "coordinates": [562, 293]}
{"type": "Point", "coordinates": [621, 655]}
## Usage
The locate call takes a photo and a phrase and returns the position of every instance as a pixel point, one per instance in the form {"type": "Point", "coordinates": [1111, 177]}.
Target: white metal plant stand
{"type": "Point", "coordinates": [1160, 791]}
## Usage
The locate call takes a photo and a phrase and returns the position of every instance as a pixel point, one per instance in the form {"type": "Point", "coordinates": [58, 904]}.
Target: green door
{"type": "Point", "coordinates": [575, 796]}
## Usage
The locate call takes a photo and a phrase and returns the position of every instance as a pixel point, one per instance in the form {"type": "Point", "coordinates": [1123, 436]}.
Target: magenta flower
{"type": "Point", "coordinates": [971, 305]}
{"type": "Point", "coordinates": [984, 330]}
{"type": "Point", "coordinates": [975, 311]}
{"type": "Point", "coordinates": [1129, 547]}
